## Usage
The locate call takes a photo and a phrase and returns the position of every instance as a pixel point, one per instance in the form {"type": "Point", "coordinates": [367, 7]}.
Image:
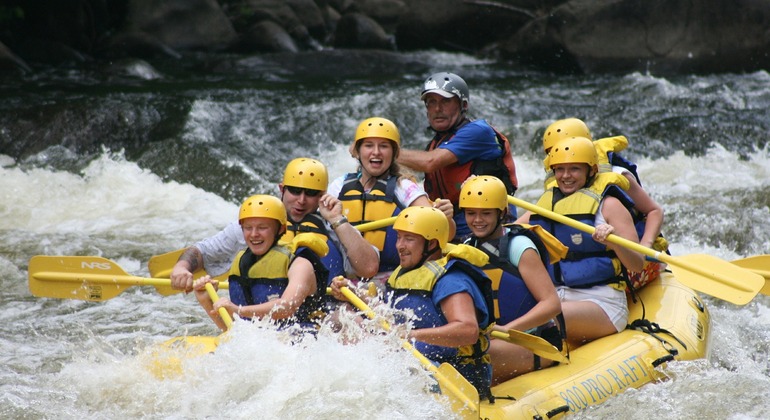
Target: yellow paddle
{"type": "Point", "coordinates": [463, 396]}
{"type": "Point", "coordinates": [759, 264]}
{"type": "Point", "coordinates": [533, 343]}
{"type": "Point", "coordinates": [228, 320]}
{"type": "Point", "coordinates": [160, 266]}
{"type": "Point", "coordinates": [85, 278]}
{"type": "Point", "coordinates": [704, 273]}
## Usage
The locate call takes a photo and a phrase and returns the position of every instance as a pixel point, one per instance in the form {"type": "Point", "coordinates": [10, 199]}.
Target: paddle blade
{"type": "Point", "coordinates": [166, 360]}
{"type": "Point", "coordinates": [533, 343]}
{"type": "Point", "coordinates": [716, 277]}
{"type": "Point", "coordinates": [759, 264]}
{"type": "Point", "coordinates": [69, 277]}
{"type": "Point", "coordinates": [460, 406]}
{"type": "Point", "coordinates": [160, 266]}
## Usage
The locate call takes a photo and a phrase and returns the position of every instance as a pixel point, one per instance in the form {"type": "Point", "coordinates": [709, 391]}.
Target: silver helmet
{"type": "Point", "coordinates": [446, 85]}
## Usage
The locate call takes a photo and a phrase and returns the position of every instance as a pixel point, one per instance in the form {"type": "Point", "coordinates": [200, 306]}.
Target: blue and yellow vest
{"type": "Point", "coordinates": [379, 203]}
{"type": "Point", "coordinates": [314, 224]}
{"type": "Point", "coordinates": [413, 290]}
{"type": "Point", "coordinates": [506, 280]}
{"type": "Point", "coordinates": [588, 263]}
{"type": "Point", "coordinates": [258, 279]}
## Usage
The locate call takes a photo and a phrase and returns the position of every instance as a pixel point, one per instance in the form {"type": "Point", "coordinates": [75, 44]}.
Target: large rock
{"type": "Point", "coordinates": [182, 24]}
{"type": "Point", "coordinates": [251, 17]}
{"type": "Point", "coordinates": [267, 36]}
{"type": "Point", "coordinates": [356, 30]}
{"type": "Point", "coordinates": [646, 35]}
{"type": "Point", "coordinates": [458, 25]}
{"type": "Point", "coordinates": [557, 35]}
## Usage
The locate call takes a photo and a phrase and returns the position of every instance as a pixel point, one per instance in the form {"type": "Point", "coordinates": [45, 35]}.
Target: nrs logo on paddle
{"type": "Point", "coordinates": [96, 265]}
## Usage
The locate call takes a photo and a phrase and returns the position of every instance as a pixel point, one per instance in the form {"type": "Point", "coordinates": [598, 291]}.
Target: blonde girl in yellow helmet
{"type": "Point", "coordinates": [378, 189]}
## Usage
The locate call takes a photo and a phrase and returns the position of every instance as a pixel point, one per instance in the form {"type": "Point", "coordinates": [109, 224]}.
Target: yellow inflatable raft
{"type": "Point", "coordinates": [672, 323]}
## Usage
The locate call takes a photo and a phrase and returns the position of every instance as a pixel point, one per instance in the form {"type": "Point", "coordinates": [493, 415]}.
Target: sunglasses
{"type": "Point", "coordinates": [298, 190]}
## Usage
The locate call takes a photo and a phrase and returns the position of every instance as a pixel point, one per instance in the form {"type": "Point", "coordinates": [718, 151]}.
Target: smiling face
{"type": "Point", "coordinates": [376, 155]}
{"type": "Point", "coordinates": [410, 247]}
{"type": "Point", "coordinates": [570, 177]}
{"type": "Point", "coordinates": [298, 205]}
{"type": "Point", "coordinates": [484, 223]}
{"type": "Point", "coordinates": [259, 233]}
{"type": "Point", "coordinates": [443, 113]}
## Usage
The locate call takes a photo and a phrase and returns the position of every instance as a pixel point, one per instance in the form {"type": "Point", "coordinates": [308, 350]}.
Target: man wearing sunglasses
{"type": "Point", "coordinates": [302, 190]}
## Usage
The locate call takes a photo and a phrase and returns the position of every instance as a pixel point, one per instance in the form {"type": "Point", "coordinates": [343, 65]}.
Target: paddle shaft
{"type": "Point", "coordinates": [377, 224]}
{"type": "Point", "coordinates": [228, 320]}
{"type": "Point", "coordinates": [361, 305]}
{"type": "Point", "coordinates": [631, 245]}
{"type": "Point", "coordinates": [117, 280]}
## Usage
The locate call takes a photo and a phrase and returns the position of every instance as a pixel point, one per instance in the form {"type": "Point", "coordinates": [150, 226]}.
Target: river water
{"type": "Point", "coordinates": [143, 160]}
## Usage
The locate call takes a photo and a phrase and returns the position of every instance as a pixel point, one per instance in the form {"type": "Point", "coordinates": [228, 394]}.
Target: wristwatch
{"type": "Point", "coordinates": [341, 221]}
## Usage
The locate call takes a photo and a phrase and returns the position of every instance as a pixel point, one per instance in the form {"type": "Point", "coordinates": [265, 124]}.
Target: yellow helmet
{"type": "Point", "coordinates": [574, 150]}
{"type": "Point", "coordinates": [562, 129]}
{"type": "Point", "coordinates": [306, 173]}
{"type": "Point", "coordinates": [263, 205]}
{"type": "Point", "coordinates": [378, 127]}
{"type": "Point", "coordinates": [428, 222]}
{"type": "Point", "coordinates": [484, 192]}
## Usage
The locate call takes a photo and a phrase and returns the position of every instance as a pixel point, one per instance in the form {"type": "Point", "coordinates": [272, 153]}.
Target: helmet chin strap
{"type": "Point", "coordinates": [499, 221]}
{"type": "Point", "coordinates": [427, 252]}
{"type": "Point", "coordinates": [278, 235]}
{"type": "Point", "coordinates": [383, 175]}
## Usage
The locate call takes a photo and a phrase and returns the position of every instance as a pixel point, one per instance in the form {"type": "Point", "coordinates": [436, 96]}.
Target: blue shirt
{"type": "Point", "coordinates": [473, 141]}
{"type": "Point", "coordinates": [457, 281]}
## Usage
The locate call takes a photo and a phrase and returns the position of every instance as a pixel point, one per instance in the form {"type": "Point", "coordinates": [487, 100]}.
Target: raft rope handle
{"type": "Point", "coordinates": [652, 329]}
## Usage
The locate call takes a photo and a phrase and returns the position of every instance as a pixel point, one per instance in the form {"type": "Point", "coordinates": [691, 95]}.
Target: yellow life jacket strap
{"type": "Point", "coordinates": [312, 241]}
{"type": "Point", "coordinates": [468, 253]}
{"type": "Point", "coordinates": [556, 249]}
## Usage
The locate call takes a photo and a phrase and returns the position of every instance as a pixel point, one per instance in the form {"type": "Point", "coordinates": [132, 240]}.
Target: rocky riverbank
{"type": "Point", "coordinates": [588, 36]}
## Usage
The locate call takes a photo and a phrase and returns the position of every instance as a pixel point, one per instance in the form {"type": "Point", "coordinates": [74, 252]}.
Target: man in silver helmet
{"type": "Point", "coordinates": [461, 147]}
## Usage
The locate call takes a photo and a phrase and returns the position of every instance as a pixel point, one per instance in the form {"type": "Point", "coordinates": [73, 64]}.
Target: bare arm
{"type": "Point", "coordinates": [189, 262]}
{"type": "Point", "coordinates": [619, 222]}
{"type": "Point", "coordinates": [524, 218]}
{"type": "Point", "coordinates": [426, 161]}
{"type": "Point", "coordinates": [536, 277]}
{"type": "Point", "coordinates": [361, 254]}
{"type": "Point", "coordinates": [647, 206]}
{"type": "Point", "coordinates": [462, 328]}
